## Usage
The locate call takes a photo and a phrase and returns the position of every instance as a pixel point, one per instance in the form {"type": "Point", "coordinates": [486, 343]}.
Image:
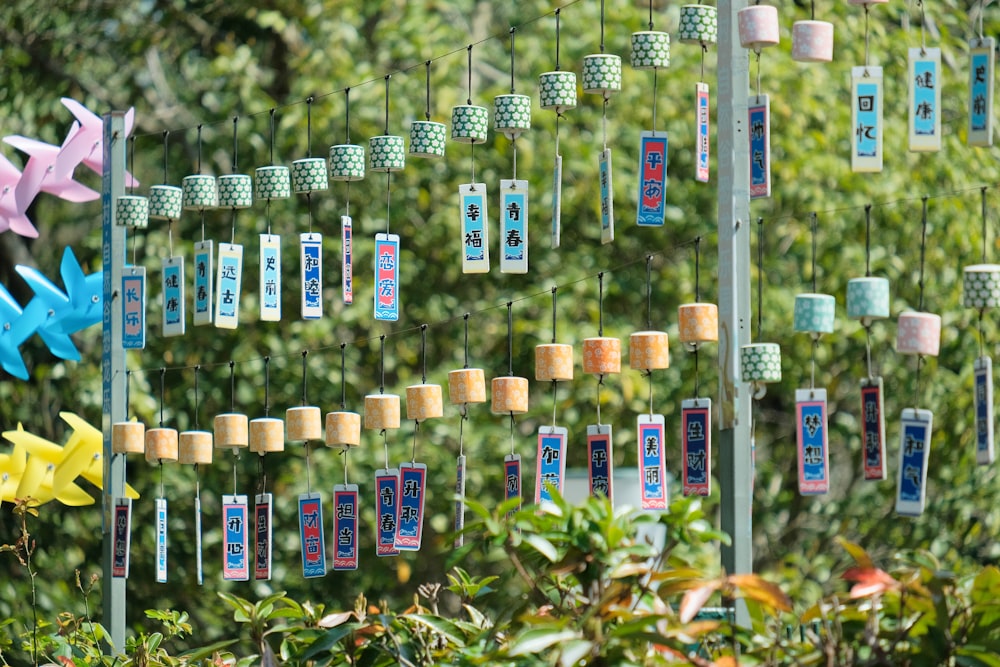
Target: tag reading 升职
{"type": "Point", "coordinates": [696, 446]}
{"type": "Point", "coordinates": [811, 438]}
{"type": "Point", "coordinates": [653, 179]}
{"type": "Point", "coordinates": [173, 296]}
{"type": "Point", "coordinates": [345, 527]}
{"type": "Point", "coordinates": [410, 511]}
{"type": "Point", "coordinates": [651, 459]}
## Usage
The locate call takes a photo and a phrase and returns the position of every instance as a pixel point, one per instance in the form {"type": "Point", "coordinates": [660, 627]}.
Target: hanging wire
{"type": "Point", "coordinates": [423, 354]}
{"type": "Point", "coordinates": [757, 57]}
{"type": "Point", "coordinates": [128, 390]}
{"type": "Point", "coordinates": [512, 31]}
{"type": "Point", "coordinates": [387, 77]}
{"type": "Point", "coordinates": [650, 24]}
{"type": "Point", "coordinates": [923, 249]}
{"type": "Point", "coordinates": [166, 135]}
{"type": "Point", "coordinates": [697, 268]}
{"type": "Point", "coordinates": [510, 339]}
{"type": "Point", "coordinates": [131, 166]}
{"type": "Point", "coordinates": [649, 292]}
{"type": "Point", "coordinates": [600, 303]}
{"type": "Point", "coordinates": [272, 134]}
{"type": "Point", "coordinates": [236, 143]}
{"type": "Point", "coordinates": [197, 371]}
{"type": "Point", "coordinates": [812, 11]}
{"type": "Point", "coordinates": [867, 36]}
{"type": "Point", "coordinates": [923, 23]}
{"type": "Point", "coordinates": [305, 353]}
{"type": "Point", "coordinates": [466, 317]}
{"type": "Point", "coordinates": [267, 386]}
{"type": "Point", "coordinates": [232, 386]}
{"type": "Point", "coordinates": [760, 277]}
{"type": "Point", "coordinates": [983, 208]}
{"type": "Point", "coordinates": [469, 100]}
{"type": "Point", "coordinates": [602, 26]}
{"type": "Point", "coordinates": [427, 72]}
{"type": "Point", "coordinates": [813, 227]}
{"type": "Point", "coordinates": [381, 364]}
{"type": "Point", "coordinates": [868, 240]}
{"type": "Point", "coordinates": [199, 148]}
{"type": "Point", "coordinates": [558, 11]}
{"type": "Point", "coordinates": [554, 290]}
{"type": "Point", "coordinates": [982, 9]}
{"type": "Point", "coordinates": [347, 116]}
{"type": "Point", "coordinates": [163, 374]}
{"type": "Point", "coordinates": [343, 383]}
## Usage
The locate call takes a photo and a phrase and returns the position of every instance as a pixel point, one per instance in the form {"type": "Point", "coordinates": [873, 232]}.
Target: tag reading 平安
{"type": "Point", "coordinates": [513, 226]}
{"type": "Point", "coordinates": [173, 296]}
{"type": "Point", "coordinates": [811, 440]}
{"type": "Point", "coordinates": [345, 527]}
{"type": "Point", "coordinates": [601, 465]}
{"type": "Point", "coordinates": [652, 180]}
{"type": "Point", "coordinates": [651, 460]}
{"type": "Point", "coordinates": [696, 446]}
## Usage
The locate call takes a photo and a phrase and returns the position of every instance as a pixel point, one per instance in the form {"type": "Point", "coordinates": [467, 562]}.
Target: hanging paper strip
{"type": "Point", "coordinates": [551, 462]}
{"type": "Point", "coordinates": [925, 99]}
{"type": "Point", "coordinates": [513, 226]}
{"type": "Point", "coordinates": [347, 258]}
{"type": "Point", "coordinates": [981, 55]}
{"type": "Point", "coordinates": [173, 296]}
{"type": "Point", "coordinates": [512, 478]}
{"type": "Point", "coordinates": [134, 308]}
{"type": "Point", "coordinates": [410, 513]}
{"type": "Point", "coordinates": [914, 450]}
{"type": "Point", "coordinates": [345, 527]}
{"type": "Point", "coordinates": [229, 281]}
{"type": "Point", "coordinates": [866, 119]}
{"type": "Point", "coordinates": [557, 203]}
{"type": "Point", "coordinates": [459, 500]}
{"type": "Point", "coordinates": [262, 536]}
{"type": "Point", "coordinates": [653, 181]}
{"type": "Point", "coordinates": [760, 147]}
{"type": "Point", "coordinates": [203, 283]}
{"type": "Point", "coordinates": [311, 535]}
{"type": "Point", "coordinates": [601, 464]}
{"type": "Point", "coordinates": [270, 278]}
{"type": "Point", "coordinates": [387, 277]}
{"type": "Point", "coordinates": [811, 438]}
{"type": "Point", "coordinates": [984, 410]}
{"type": "Point", "coordinates": [475, 230]}
{"type": "Point", "coordinates": [121, 538]}
{"type": "Point", "coordinates": [874, 428]}
{"type": "Point", "coordinates": [651, 456]}
{"type": "Point", "coordinates": [696, 446]}
{"type": "Point", "coordinates": [387, 488]}
{"type": "Point", "coordinates": [702, 111]}
{"type": "Point", "coordinates": [312, 275]}
{"type": "Point", "coordinates": [161, 540]}
{"type": "Point", "coordinates": [197, 541]}
{"type": "Point", "coordinates": [235, 566]}
{"type": "Point", "coordinates": [607, 199]}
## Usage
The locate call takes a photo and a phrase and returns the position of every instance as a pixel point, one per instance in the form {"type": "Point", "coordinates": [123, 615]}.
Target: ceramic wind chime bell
{"type": "Point", "coordinates": [812, 40]}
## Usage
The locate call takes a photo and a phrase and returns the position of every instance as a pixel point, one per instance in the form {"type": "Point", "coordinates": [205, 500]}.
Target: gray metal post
{"type": "Point", "coordinates": [113, 366]}
{"type": "Point", "coordinates": [735, 471]}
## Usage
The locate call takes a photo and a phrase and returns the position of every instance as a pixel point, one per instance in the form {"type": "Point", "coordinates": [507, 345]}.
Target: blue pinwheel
{"type": "Point", "coordinates": [16, 326]}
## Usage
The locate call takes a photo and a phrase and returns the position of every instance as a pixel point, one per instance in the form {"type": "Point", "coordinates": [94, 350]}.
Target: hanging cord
{"type": "Point", "coordinates": [512, 425]}
{"type": "Point", "coordinates": [413, 451]}
{"type": "Point", "coordinates": [558, 12]}
{"type": "Point", "coordinates": [757, 56]}
{"type": "Point", "coordinates": [867, 37]}
{"type": "Point", "coordinates": [309, 152]}
{"type": "Point", "coordinates": [343, 384]}
{"type": "Point", "coordinates": [510, 339]}
{"type": "Point", "coordinates": [923, 23]}
{"type": "Point", "coordinates": [649, 292]}
{"type": "Point", "coordinates": [982, 310]}
{"type": "Point", "coordinates": [232, 386]}
{"type": "Point", "coordinates": [267, 386]}
{"type": "Point", "coordinates": [236, 121]}
{"type": "Point", "coordinates": [979, 22]}
{"type": "Point", "coordinates": [812, 10]}
{"type": "Point", "coordinates": [128, 390]}
{"type": "Point", "coordinates": [197, 371]}
{"type": "Point", "coordinates": [427, 77]}
{"type": "Point", "coordinates": [272, 134]}
{"type": "Point", "coordinates": [600, 303]}
{"type": "Point", "coordinates": [602, 26]}
{"type": "Point", "coordinates": [697, 298]}
{"type": "Point", "coordinates": [308, 467]}
{"type": "Point", "coordinates": [131, 165]}
{"type": "Point", "coordinates": [815, 345]}
{"type": "Point", "coordinates": [655, 84]}
{"type": "Point", "coordinates": [813, 227]}
{"type": "Point", "coordinates": [704, 52]}
{"type": "Point", "coordinates": [512, 31]}
{"type": "Point", "coordinates": [163, 373]}
{"type": "Point", "coordinates": [305, 353]}
{"type": "Point", "coordinates": [920, 308]}
{"type": "Point", "coordinates": [199, 171]}
{"type": "Point", "coordinates": [345, 452]}
{"type": "Point", "coordinates": [423, 354]}
{"type": "Point", "coordinates": [347, 116]}
{"type": "Point", "coordinates": [385, 445]}
{"type": "Point", "coordinates": [166, 135]}
{"type": "Point", "coordinates": [469, 73]}
{"type": "Point", "coordinates": [381, 364]}
{"type": "Point", "coordinates": [760, 278]}
{"type": "Point", "coordinates": [868, 273]}
{"type": "Point", "coordinates": [555, 289]}
{"type": "Point", "coordinates": [466, 317]}
{"type": "Point", "coordinates": [650, 24]}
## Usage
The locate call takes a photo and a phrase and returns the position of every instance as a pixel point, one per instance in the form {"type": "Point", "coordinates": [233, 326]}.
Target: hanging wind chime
{"type": "Point", "coordinates": [161, 447]}
{"type": "Point", "coordinates": [127, 437]}
{"type": "Point", "coordinates": [309, 175]}
{"type": "Point", "coordinates": [602, 75]}
{"type": "Point", "coordinates": [812, 40]}
{"type": "Point", "coordinates": [199, 192]}
{"type": "Point", "coordinates": [511, 117]}
{"type": "Point", "coordinates": [194, 447]}
{"type": "Point", "coordinates": [304, 424]}
{"type": "Point", "coordinates": [814, 314]}
{"type": "Point", "coordinates": [272, 182]}
{"type": "Point", "coordinates": [918, 334]}
{"type": "Point", "coordinates": [981, 290]}
{"type": "Point", "coordinates": [758, 28]}
{"type": "Point", "coordinates": [465, 385]}
{"type": "Point", "coordinates": [232, 431]}
{"type": "Point", "coordinates": [698, 323]}
{"type": "Point", "coordinates": [651, 50]}
{"type": "Point", "coordinates": [387, 155]}
{"type": "Point", "coordinates": [557, 92]}
{"type": "Point", "coordinates": [343, 429]}
{"type": "Point", "coordinates": [924, 93]}
{"type": "Point", "coordinates": [509, 396]}
{"type": "Point", "coordinates": [165, 203]}
{"type": "Point", "coordinates": [868, 301]}
{"type": "Point", "coordinates": [423, 401]}
{"type": "Point", "coordinates": [602, 356]}
{"type": "Point", "coordinates": [427, 138]}
{"type": "Point", "coordinates": [470, 125]}
{"type": "Point", "coordinates": [866, 107]}
{"type": "Point", "coordinates": [347, 163]}
{"type": "Point", "coordinates": [699, 24]}
{"type": "Point", "coordinates": [554, 363]}
{"type": "Point", "coordinates": [648, 351]}
{"type": "Point", "coordinates": [981, 72]}
{"type": "Point", "coordinates": [267, 436]}
{"type": "Point", "coordinates": [132, 210]}
{"type": "Point", "coordinates": [382, 414]}
{"type": "Point", "coordinates": [235, 193]}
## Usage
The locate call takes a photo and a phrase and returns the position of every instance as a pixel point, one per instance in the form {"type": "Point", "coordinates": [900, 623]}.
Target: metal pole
{"type": "Point", "coordinates": [735, 466]}
{"type": "Point", "coordinates": [113, 366]}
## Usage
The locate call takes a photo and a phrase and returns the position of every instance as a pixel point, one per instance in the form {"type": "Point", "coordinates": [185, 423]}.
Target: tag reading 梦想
{"type": "Point", "coordinates": [811, 438]}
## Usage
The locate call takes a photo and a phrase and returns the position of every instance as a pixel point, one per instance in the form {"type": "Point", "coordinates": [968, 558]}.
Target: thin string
{"type": "Point", "coordinates": [985, 231]}
{"type": "Point", "coordinates": [469, 49]}
{"type": "Point", "coordinates": [236, 143]}
{"type": "Point", "coordinates": [272, 136]}
{"type": "Point", "coordinates": [199, 149]}
{"type": "Point", "coordinates": [308, 468]}
{"type": "Point", "coordinates": [760, 277]}
{"type": "Point", "coordinates": [655, 85]}
{"type": "Point", "coordinates": [982, 9]}
{"type": "Point", "coordinates": [812, 14]}
{"type": "Point", "coordinates": [558, 12]}
{"type": "Point", "coordinates": [423, 354]}
{"type": "Point", "coordinates": [163, 373]}
{"type": "Point", "coordinates": [867, 36]}
{"type": "Point", "coordinates": [604, 120]}
{"type": "Point", "coordinates": [697, 269]}
{"type": "Point", "coordinates": [131, 165]}
{"type": "Point", "coordinates": [347, 117]}
{"type": "Point", "coordinates": [512, 31]}
{"type": "Point", "coordinates": [704, 52]}
{"type": "Point", "coordinates": [387, 77]}
{"type": "Point", "coordinates": [602, 26]}
{"type": "Point", "coordinates": [385, 444]}
{"type": "Point", "coordinates": [463, 412]}
{"type": "Point", "coordinates": [466, 317]}
{"type": "Point", "coordinates": [161, 477]}
{"type": "Point", "coordinates": [923, 22]}
{"type": "Point", "coordinates": [381, 364]}
{"type": "Point", "coordinates": [197, 370]}
{"type": "Point", "coordinates": [413, 451]}
{"type": "Point", "coordinates": [512, 433]}
{"type": "Point", "coordinates": [554, 290]}
{"type": "Point", "coordinates": [650, 24]}
{"type": "Point", "coordinates": [346, 451]}
{"type": "Point", "coordinates": [309, 126]}
{"type": "Point", "coordinates": [600, 384]}
{"type": "Point", "coordinates": [232, 386]}
{"type": "Point", "coordinates": [649, 375]}
{"type": "Point", "coordinates": [305, 353]}
{"type": "Point", "coordinates": [427, 77]}
{"type": "Point", "coordinates": [649, 292]}
{"type": "Point", "coordinates": [554, 385]}
{"type": "Point", "coordinates": [166, 134]}
{"type": "Point", "coordinates": [128, 390]}
{"type": "Point", "coordinates": [923, 250]}
{"type": "Point", "coordinates": [600, 303]}
{"type": "Point", "coordinates": [868, 240]}
{"type": "Point", "coordinates": [510, 339]}
{"type": "Point", "coordinates": [813, 226]}
{"type": "Point", "coordinates": [757, 56]}
{"type": "Point", "coordinates": [267, 386]}
{"type": "Point", "coordinates": [343, 384]}
{"type": "Point", "coordinates": [388, 198]}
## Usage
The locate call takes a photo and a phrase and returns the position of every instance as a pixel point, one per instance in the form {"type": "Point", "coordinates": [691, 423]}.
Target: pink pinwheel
{"type": "Point", "coordinates": [39, 174]}
{"type": "Point", "coordinates": [12, 217]}
{"type": "Point", "coordinates": [86, 142]}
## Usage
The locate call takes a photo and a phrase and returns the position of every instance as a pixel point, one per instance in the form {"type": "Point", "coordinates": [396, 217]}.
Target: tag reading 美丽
{"type": "Point", "coordinates": [651, 459]}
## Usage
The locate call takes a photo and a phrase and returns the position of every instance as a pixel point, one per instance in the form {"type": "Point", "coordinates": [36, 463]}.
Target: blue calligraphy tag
{"type": "Point", "coordinates": [653, 179]}
{"type": "Point", "coordinates": [270, 278]}
{"type": "Point", "coordinates": [475, 230]}
{"type": "Point", "coordinates": [312, 276]}
{"type": "Point", "coordinates": [915, 447]}
{"type": "Point", "coordinates": [925, 99]}
{"type": "Point", "coordinates": [345, 527]}
{"type": "Point", "coordinates": [161, 540]}
{"type": "Point", "coordinates": [981, 91]}
{"type": "Point", "coordinates": [601, 466]}
{"type": "Point", "coordinates": [607, 198]}
{"type": "Point", "coordinates": [866, 119]}
{"type": "Point", "coordinates": [311, 535]}
{"type": "Point", "coordinates": [984, 410]}
{"type": "Point", "coordinates": [387, 488]}
{"type": "Point", "coordinates": [459, 500]}
{"type": "Point", "coordinates": [347, 258]}
{"type": "Point", "coordinates": [134, 308]}
{"type": "Point", "coordinates": [173, 296]}
{"type": "Point", "coordinates": [760, 147]}
{"type": "Point", "coordinates": [262, 537]}
{"type": "Point", "coordinates": [121, 538]}
{"type": "Point", "coordinates": [696, 446]}
{"type": "Point", "coordinates": [874, 428]}
{"type": "Point", "coordinates": [811, 427]}
{"type": "Point", "coordinates": [512, 478]}
{"type": "Point", "coordinates": [703, 140]}
{"type": "Point", "coordinates": [234, 529]}
{"type": "Point", "coordinates": [386, 277]}
{"type": "Point", "coordinates": [197, 537]}
{"type": "Point", "coordinates": [203, 283]}
{"type": "Point", "coordinates": [651, 458]}
{"type": "Point", "coordinates": [229, 281]}
{"type": "Point", "coordinates": [513, 226]}
{"type": "Point", "coordinates": [412, 488]}
{"type": "Point", "coordinates": [551, 462]}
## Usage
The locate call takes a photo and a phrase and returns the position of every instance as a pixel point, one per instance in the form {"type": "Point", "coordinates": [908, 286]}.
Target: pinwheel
{"type": "Point", "coordinates": [11, 215]}
{"type": "Point", "coordinates": [16, 326]}
{"type": "Point", "coordinates": [86, 142]}
{"type": "Point", "coordinates": [47, 170]}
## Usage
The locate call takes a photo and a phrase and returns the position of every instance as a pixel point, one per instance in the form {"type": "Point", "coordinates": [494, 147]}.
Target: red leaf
{"type": "Point", "coordinates": [869, 581]}
{"type": "Point", "coordinates": [695, 599]}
